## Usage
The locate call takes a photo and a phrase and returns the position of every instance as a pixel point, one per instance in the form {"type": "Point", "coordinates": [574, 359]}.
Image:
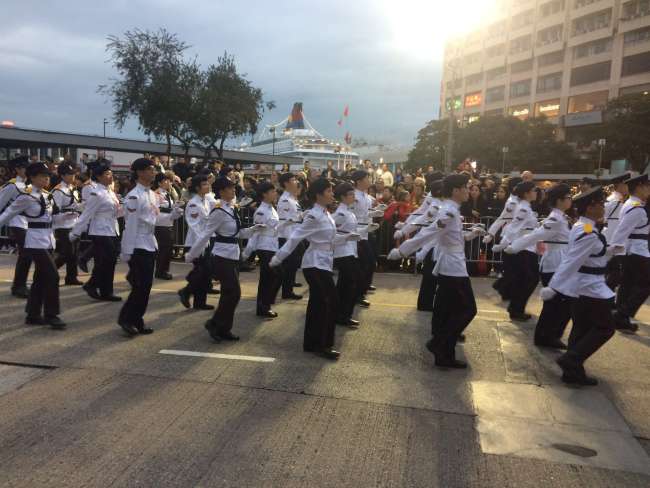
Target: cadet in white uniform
{"type": "Point", "coordinates": [88, 187]}
{"type": "Point", "coordinates": [613, 207]}
{"type": "Point", "coordinates": [17, 226]}
{"type": "Point", "coordinates": [139, 246]}
{"type": "Point", "coordinates": [554, 233]}
{"type": "Point", "coordinates": [99, 216]}
{"type": "Point", "coordinates": [290, 215]}
{"type": "Point", "coordinates": [319, 229]}
{"type": "Point", "coordinates": [34, 204]}
{"type": "Point", "coordinates": [581, 276]}
{"type": "Point", "coordinates": [67, 207]}
{"type": "Point", "coordinates": [169, 212]}
{"type": "Point", "coordinates": [632, 233]}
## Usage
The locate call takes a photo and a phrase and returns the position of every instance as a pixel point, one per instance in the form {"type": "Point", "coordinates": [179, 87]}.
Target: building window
{"type": "Point", "coordinates": [583, 3]}
{"type": "Point", "coordinates": [474, 79]}
{"type": "Point", "coordinates": [588, 102]}
{"type": "Point", "coordinates": [550, 35]}
{"type": "Point", "coordinates": [493, 113]}
{"type": "Point", "coordinates": [549, 83]}
{"type": "Point", "coordinates": [591, 73]}
{"type": "Point", "coordinates": [592, 22]}
{"type": "Point", "coordinates": [497, 29]}
{"type": "Point", "coordinates": [495, 94]}
{"type": "Point", "coordinates": [551, 58]}
{"type": "Point", "coordinates": [520, 89]}
{"type": "Point", "coordinates": [522, 20]}
{"type": "Point", "coordinates": [635, 90]}
{"type": "Point", "coordinates": [498, 50]}
{"type": "Point", "coordinates": [638, 63]}
{"type": "Point", "coordinates": [521, 66]}
{"type": "Point", "coordinates": [470, 118]}
{"type": "Point", "coordinates": [473, 58]}
{"type": "Point", "coordinates": [549, 108]}
{"type": "Point", "coordinates": [520, 44]}
{"type": "Point", "coordinates": [457, 83]}
{"type": "Point", "coordinates": [550, 8]}
{"type": "Point", "coordinates": [495, 73]}
{"type": "Point", "coordinates": [473, 99]}
{"type": "Point", "coordinates": [520, 111]}
{"type": "Point", "coordinates": [592, 48]}
{"type": "Point", "coordinates": [635, 9]}
{"type": "Point", "coordinates": [639, 35]}
{"type": "Point", "coordinates": [457, 105]}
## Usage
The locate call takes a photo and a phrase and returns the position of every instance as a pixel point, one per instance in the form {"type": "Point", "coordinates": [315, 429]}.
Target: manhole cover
{"type": "Point", "coordinates": [581, 451]}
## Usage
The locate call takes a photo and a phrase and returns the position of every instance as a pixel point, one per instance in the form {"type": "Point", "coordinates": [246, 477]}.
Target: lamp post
{"type": "Point", "coordinates": [105, 122]}
{"type": "Point", "coordinates": [601, 144]}
{"type": "Point", "coordinates": [272, 129]}
{"type": "Point", "coordinates": [504, 151]}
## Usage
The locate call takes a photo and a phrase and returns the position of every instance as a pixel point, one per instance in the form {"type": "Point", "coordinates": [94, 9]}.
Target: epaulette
{"type": "Point", "coordinates": [28, 189]}
{"type": "Point", "coordinates": [588, 228]}
{"type": "Point", "coordinates": [218, 204]}
{"type": "Point", "coordinates": [12, 180]}
{"type": "Point", "coordinates": [635, 205]}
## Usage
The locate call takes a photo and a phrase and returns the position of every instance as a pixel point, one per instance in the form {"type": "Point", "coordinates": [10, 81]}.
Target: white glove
{"type": "Point", "coordinates": [509, 250]}
{"type": "Point", "coordinates": [398, 235]}
{"type": "Point", "coordinates": [499, 247]}
{"type": "Point", "coordinates": [615, 250]}
{"type": "Point", "coordinates": [373, 214]}
{"type": "Point", "coordinates": [73, 237]}
{"type": "Point", "coordinates": [258, 227]}
{"type": "Point", "coordinates": [275, 262]}
{"type": "Point", "coordinates": [488, 238]}
{"type": "Point", "coordinates": [189, 258]}
{"type": "Point", "coordinates": [245, 201]}
{"type": "Point", "coordinates": [419, 256]}
{"type": "Point", "coordinates": [353, 237]}
{"type": "Point", "coordinates": [78, 206]}
{"type": "Point", "coordinates": [547, 293]}
{"type": "Point", "coordinates": [373, 227]}
{"type": "Point", "coordinates": [399, 225]}
{"type": "Point", "coordinates": [394, 255]}
{"type": "Point", "coordinates": [478, 230]}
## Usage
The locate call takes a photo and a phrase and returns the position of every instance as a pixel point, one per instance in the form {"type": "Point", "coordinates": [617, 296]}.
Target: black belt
{"type": "Point", "coordinates": [226, 240]}
{"type": "Point", "coordinates": [641, 237]}
{"type": "Point", "coordinates": [39, 225]}
{"type": "Point", "coordinates": [166, 210]}
{"type": "Point", "coordinates": [592, 271]}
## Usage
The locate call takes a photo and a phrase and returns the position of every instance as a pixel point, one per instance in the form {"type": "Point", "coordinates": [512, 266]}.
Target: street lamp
{"type": "Point", "coordinates": [601, 144]}
{"type": "Point", "coordinates": [272, 129]}
{"type": "Point", "coordinates": [105, 122]}
{"type": "Point", "coordinates": [504, 151]}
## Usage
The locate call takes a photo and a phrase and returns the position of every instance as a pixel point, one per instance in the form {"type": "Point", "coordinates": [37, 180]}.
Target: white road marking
{"type": "Point", "coordinates": [256, 359]}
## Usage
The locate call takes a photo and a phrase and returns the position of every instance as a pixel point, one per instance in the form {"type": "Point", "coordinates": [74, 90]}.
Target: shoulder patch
{"type": "Point", "coordinates": [552, 219]}
{"type": "Point", "coordinates": [310, 216]}
{"type": "Point", "coordinates": [548, 227]}
{"type": "Point", "coordinates": [12, 180]}
{"type": "Point", "coordinates": [588, 228]}
{"type": "Point", "coordinates": [133, 197]}
{"type": "Point", "coordinates": [93, 193]}
{"type": "Point", "coordinates": [192, 205]}
{"type": "Point", "coordinates": [449, 214]}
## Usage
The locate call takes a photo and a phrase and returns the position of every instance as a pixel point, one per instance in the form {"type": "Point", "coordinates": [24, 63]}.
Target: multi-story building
{"type": "Point", "coordinates": [560, 58]}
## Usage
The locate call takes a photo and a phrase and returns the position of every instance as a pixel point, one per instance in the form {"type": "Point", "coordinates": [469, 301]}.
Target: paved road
{"type": "Point", "coordinates": [105, 410]}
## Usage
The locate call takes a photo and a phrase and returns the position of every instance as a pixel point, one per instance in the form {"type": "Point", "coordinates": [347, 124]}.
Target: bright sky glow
{"type": "Point", "coordinates": [421, 27]}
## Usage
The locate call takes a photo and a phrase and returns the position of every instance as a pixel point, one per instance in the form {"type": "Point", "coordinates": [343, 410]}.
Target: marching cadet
{"type": "Point", "coordinates": [169, 212]}
{"type": "Point", "coordinates": [35, 206]}
{"type": "Point", "coordinates": [581, 277]}
{"type": "Point", "coordinates": [613, 208]}
{"type": "Point", "coordinates": [99, 216]}
{"type": "Point", "coordinates": [554, 233]}
{"type": "Point", "coordinates": [139, 246]}
{"type": "Point", "coordinates": [346, 257]}
{"type": "Point", "coordinates": [196, 213]}
{"type": "Point", "coordinates": [319, 229]}
{"type": "Point", "coordinates": [633, 233]}
{"type": "Point", "coordinates": [17, 225]}
{"type": "Point", "coordinates": [504, 284]}
{"type": "Point", "coordinates": [66, 209]}
{"type": "Point", "coordinates": [364, 213]}
{"type": "Point", "coordinates": [526, 261]}
{"type": "Point", "coordinates": [224, 259]}
{"type": "Point", "coordinates": [88, 187]}
{"type": "Point", "coordinates": [265, 244]}
{"type": "Point", "coordinates": [454, 302]}
{"type": "Point", "coordinates": [290, 215]}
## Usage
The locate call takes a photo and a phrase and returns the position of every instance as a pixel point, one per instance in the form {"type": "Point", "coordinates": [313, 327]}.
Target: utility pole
{"type": "Point", "coordinates": [504, 150]}
{"type": "Point", "coordinates": [272, 129]}
{"type": "Point", "coordinates": [601, 143]}
{"type": "Point", "coordinates": [453, 67]}
{"type": "Point", "coordinates": [105, 122]}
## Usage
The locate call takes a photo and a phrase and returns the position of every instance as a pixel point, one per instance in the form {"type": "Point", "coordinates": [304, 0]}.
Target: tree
{"type": "Point", "coordinates": [430, 145]}
{"type": "Point", "coordinates": [228, 106]}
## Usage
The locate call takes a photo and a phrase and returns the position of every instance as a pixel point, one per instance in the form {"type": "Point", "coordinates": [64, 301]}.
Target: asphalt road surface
{"type": "Point", "coordinates": [90, 407]}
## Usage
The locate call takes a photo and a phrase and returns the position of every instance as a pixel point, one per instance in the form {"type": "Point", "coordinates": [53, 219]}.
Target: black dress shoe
{"type": "Point", "coordinates": [144, 330]}
{"type": "Point", "coordinates": [211, 328]}
{"type": "Point", "coordinates": [372, 288]}
{"type": "Point", "coordinates": [329, 354]}
{"type": "Point", "coordinates": [579, 379]}
{"type": "Point", "coordinates": [228, 336]}
{"type": "Point", "coordinates": [130, 329]}
{"type": "Point", "coordinates": [297, 285]}
{"type": "Point", "coordinates": [291, 296]}
{"type": "Point", "coordinates": [73, 282]}
{"type": "Point", "coordinates": [623, 324]}
{"type": "Point", "coordinates": [430, 346]}
{"type": "Point", "coordinates": [450, 363]}
{"type": "Point", "coordinates": [110, 298]}
{"type": "Point", "coordinates": [425, 309]}
{"type": "Point", "coordinates": [164, 276]}
{"type": "Point", "coordinates": [184, 295]}
{"type": "Point", "coordinates": [269, 314]}
{"type": "Point", "coordinates": [204, 306]}
{"type": "Point", "coordinates": [55, 322]}
{"type": "Point", "coordinates": [92, 292]}
{"type": "Point", "coordinates": [35, 321]}
{"type": "Point", "coordinates": [363, 303]}
{"type": "Point", "coordinates": [461, 338]}
{"type": "Point", "coordinates": [213, 291]}
{"type": "Point", "coordinates": [551, 344]}
{"type": "Point", "coordinates": [83, 265]}
{"type": "Point", "coordinates": [20, 293]}
{"type": "Point", "coordinates": [351, 323]}
{"type": "Point", "coordinates": [520, 317]}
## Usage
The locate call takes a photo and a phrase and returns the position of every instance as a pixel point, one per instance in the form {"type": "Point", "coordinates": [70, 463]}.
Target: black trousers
{"type": "Point", "coordinates": [226, 271]}
{"type": "Point", "coordinates": [555, 315]}
{"type": "Point", "coordinates": [269, 284]}
{"type": "Point", "coordinates": [290, 267]}
{"type": "Point", "coordinates": [66, 252]}
{"type": "Point", "coordinates": [140, 277]}
{"type": "Point", "coordinates": [322, 309]}
{"type": "Point", "coordinates": [615, 272]}
{"type": "Point", "coordinates": [44, 293]}
{"type": "Point", "coordinates": [367, 262]}
{"type": "Point", "coordinates": [165, 238]}
{"type": "Point", "coordinates": [455, 307]}
{"type": "Point", "coordinates": [526, 277]}
{"type": "Point", "coordinates": [593, 326]}
{"type": "Point", "coordinates": [505, 283]}
{"type": "Point", "coordinates": [347, 285]}
{"type": "Point", "coordinates": [635, 288]}
{"type": "Point", "coordinates": [23, 260]}
{"type": "Point", "coordinates": [88, 251]}
{"type": "Point", "coordinates": [105, 252]}
{"type": "Point", "coordinates": [199, 278]}
{"type": "Point", "coordinates": [428, 284]}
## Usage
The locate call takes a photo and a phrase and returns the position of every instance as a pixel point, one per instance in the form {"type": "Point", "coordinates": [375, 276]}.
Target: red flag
{"type": "Point", "coordinates": [340, 123]}
{"type": "Point", "coordinates": [346, 112]}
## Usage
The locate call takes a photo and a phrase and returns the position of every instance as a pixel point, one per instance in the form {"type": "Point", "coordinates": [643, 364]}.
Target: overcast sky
{"type": "Point", "coordinates": [326, 54]}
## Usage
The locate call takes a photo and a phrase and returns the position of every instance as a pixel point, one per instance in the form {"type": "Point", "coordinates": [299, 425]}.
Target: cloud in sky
{"type": "Point", "coordinates": [326, 54]}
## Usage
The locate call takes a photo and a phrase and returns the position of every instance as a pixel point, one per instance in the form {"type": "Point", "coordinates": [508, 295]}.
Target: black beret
{"type": "Point", "coordinates": [66, 169]}
{"type": "Point", "coordinates": [586, 198]}
{"type": "Point", "coordinates": [196, 182]}
{"type": "Point", "coordinates": [632, 183]}
{"type": "Point", "coordinates": [37, 169]}
{"type": "Point", "coordinates": [225, 171]}
{"type": "Point", "coordinates": [19, 162]}
{"type": "Point", "coordinates": [589, 181]}
{"type": "Point", "coordinates": [319, 186]}
{"type": "Point", "coordinates": [160, 177]}
{"type": "Point", "coordinates": [524, 187]}
{"type": "Point", "coordinates": [618, 179]}
{"type": "Point", "coordinates": [264, 186]}
{"type": "Point", "coordinates": [558, 191]}
{"type": "Point", "coordinates": [284, 177]}
{"type": "Point", "coordinates": [359, 174]}
{"type": "Point", "coordinates": [455, 181]}
{"type": "Point", "coordinates": [141, 164]}
{"type": "Point", "coordinates": [100, 167]}
{"type": "Point", "coordinates": [342, 188]}
{"type": "Point", "coordinates": [222, 182]}
{"type": "Point", "coordinates": [512, 182]}
{"type": "Point", "coordinates": [436, 188]}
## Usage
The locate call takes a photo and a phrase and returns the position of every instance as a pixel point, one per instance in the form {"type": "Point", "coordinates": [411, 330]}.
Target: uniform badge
{"type": "Point", "coordinates": [588, 228]}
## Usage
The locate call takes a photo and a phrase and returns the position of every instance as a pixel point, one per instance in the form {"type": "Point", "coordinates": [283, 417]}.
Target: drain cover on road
{"type": "Point", "coordinates": [581, 451]}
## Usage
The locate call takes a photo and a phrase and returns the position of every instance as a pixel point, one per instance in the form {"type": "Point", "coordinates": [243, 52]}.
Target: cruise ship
{"type": "Point", "coordinates": [295, 136]}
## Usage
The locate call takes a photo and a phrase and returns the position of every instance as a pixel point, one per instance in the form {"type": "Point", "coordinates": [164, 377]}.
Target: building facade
{"type": "Point", "coordinates": [559, 58]}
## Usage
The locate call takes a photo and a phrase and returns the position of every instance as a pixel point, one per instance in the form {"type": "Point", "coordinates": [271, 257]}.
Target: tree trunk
{"type": "Point", "coordinates": [169, 147]}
